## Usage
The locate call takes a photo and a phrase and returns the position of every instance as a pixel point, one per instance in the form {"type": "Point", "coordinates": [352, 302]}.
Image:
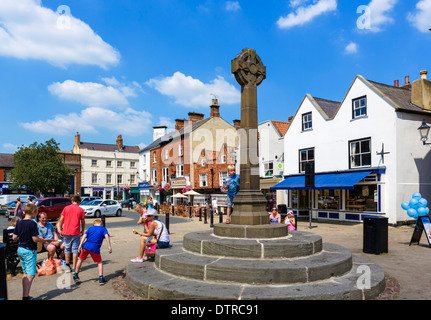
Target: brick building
{"type": "Point", "coordinates": [196, 154]}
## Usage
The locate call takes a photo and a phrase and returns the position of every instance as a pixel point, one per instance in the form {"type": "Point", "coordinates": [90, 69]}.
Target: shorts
{"type": "Point", "coordinates": [230, 199]}
{"type": "Point", "coordinates": [96, 256]}
{"type": "Point", "coordinates": [71, 243]}
{"type": "Point", "coordinates": [28, 261]}
{"type": "Point", "coordinates": [162, 244]}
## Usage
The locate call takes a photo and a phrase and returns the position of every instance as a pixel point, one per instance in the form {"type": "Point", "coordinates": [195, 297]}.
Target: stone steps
{"type": "Point", "coordinates": [334, 260]}
{"type": "Point", "coordinates": [298, 244]}
{"type": "Point", "coordinates": [151, 283]}
{"type": "Point", "coordinates": [296, 266]}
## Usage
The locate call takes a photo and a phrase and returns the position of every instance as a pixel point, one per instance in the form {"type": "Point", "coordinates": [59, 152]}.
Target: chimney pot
{"type": "Point", "coordinates": [424, 74]}
{"type": "Point", "coordinates": [396, 83]}
{"type": "Point", "coordinates": [237, 124]}
{"type": "Point", "coordinates": [407, 79]}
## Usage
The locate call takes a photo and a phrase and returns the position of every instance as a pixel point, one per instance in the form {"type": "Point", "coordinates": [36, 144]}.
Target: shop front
{"type": "Point", "coordinates": [343, 196]}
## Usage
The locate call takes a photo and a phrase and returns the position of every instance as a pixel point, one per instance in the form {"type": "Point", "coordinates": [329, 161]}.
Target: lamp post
{"type": "Point", "coordinates": [424, 130]}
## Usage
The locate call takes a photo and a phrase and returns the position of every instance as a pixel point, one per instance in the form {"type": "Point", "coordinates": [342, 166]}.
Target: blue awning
{"type": "Point", "coordinates": [344, 180]}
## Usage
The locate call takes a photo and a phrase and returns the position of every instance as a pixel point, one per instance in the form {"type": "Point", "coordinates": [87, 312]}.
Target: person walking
{"type": "Point", "coordinates": [71, 226]}
{"type": "Point", "coordinates": [90, 245]}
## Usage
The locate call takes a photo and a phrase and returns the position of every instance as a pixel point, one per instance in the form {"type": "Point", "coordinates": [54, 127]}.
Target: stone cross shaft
{"type": "Point", "coordinates": [250, 204]}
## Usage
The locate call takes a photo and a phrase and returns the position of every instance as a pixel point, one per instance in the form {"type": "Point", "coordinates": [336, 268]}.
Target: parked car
{"type": "Point", "coordinates": [3, 208]}
{"type": "Point", "coordinates": [96, 208]}
{"type": "Point", "coordinates": [53, 207]}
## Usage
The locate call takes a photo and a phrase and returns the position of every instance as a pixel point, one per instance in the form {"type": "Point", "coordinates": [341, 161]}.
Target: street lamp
{"type": "Point", "coordinates": [424, 130]}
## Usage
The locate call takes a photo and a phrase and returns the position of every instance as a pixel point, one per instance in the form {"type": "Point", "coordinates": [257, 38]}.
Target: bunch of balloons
{"type": "Point", "coordinates": [416, 207]}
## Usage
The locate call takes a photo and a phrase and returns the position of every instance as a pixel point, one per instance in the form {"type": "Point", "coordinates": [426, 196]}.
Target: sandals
{"type": "Point", "coordinates": [227, 221]}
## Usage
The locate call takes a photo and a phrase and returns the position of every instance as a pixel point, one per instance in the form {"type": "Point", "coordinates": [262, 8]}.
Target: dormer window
{"type": "Point", "coordinates": [307, 123]}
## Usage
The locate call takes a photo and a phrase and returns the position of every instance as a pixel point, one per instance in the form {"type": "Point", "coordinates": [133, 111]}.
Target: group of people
{"type": "Point", "coordinates": [69, 237]}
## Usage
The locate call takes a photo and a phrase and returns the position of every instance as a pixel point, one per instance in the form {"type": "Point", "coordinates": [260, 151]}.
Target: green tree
{"type": "Point", "coordinates": [40, 168]}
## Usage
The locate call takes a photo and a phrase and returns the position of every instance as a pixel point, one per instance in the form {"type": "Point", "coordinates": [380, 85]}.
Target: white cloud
{"type": "Point", "coordinates": [232, 6]}
{"type": "Point", "coordinates": [190, 92]}
{"type": "Point", "coordinates": [30, 31]}
{"type": "Point", "coordinates": [93, 119]}
{"type": "Point", "coordinates": [421, 19]}
{"type": "Point", "coordinates": [351, 48]}
{"type": "Point", "coordinates": [380, 13]}
{"type": "Point", "coordinates": [10, 146]}
{"type": "Point", "coordinates": [95, 94]}
{"type": "Point", "coordinates": [305, 14]}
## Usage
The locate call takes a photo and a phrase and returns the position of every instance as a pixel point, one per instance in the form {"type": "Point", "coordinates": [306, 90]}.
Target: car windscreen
{"type": "Point", "coordinates": [93, 203]}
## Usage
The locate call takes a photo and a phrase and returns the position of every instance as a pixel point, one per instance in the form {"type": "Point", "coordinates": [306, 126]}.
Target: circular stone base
{"type": "Point", "coordinates": [265, 231]}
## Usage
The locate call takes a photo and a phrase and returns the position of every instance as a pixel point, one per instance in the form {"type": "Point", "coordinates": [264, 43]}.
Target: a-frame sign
{"type": "Point", "coordinates": [423, 224]}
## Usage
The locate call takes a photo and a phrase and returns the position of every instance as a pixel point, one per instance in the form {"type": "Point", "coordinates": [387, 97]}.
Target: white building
{"type": "Point", "coordinates": [271, 156]}
{"type": "Point", "coordinates": [108, 170]}
{"type": "Point", "coordinates": [367, 153]}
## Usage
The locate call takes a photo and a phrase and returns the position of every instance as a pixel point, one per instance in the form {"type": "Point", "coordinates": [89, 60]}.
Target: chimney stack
{"type": "Point", "coordinates": [179, 124]}
{"type": "Point", "coordinates": [119, 143]}
{"type": "Point", "coordinates": [77, 139]}
{"type": "Point", "coordinates": [159, 131]}
{"type": "Point", "coordinates": [215, 109]}
{"type": "Point", "coordinates": [237, 124]}
{"type": "Point", "coordinates": [194, 116]}
{"type": "Point", "coordinates": [421, 92]}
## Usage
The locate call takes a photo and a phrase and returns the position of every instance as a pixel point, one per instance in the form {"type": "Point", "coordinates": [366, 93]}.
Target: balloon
{"type": "Point", "coordinates": [405, 205]}
{"type": "Point", "coordinates": [413, 203]}
{"type": "Point", "coordinates": [422, 212]}
{"type": "Point", "coordinates": [423, 203]}
{"type": "Point", "coordinates": [417, 195]}
{"type": "Point", "coordinates": [412, 212]}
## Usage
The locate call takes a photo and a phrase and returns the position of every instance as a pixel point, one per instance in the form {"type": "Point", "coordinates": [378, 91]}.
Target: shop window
{"type": "Point", "coordinates": [328, 199]}
{"type": "Point", "coordinates": [362, 198]}
{"type": "Point", "coordinates": [300, 199]}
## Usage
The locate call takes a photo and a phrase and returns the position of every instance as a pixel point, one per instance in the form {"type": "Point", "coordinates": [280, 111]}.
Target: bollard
{"type": "Point", "coordinates": [190, 212]}
{"type": "Point", "coordinates": [200, 214]}
{"type": "Point", "coordinates": [220, 216]}
{"type": "Point", "coordinates": [211, 212]}
{"type": "Point", "coordinates": [167, 221]}
{"type": "Point", "coordinates": [205, 215]}
{"type": "Point", "coordinates": [3, 282]}
{"type": "Point", "coordinates": [103, 218]}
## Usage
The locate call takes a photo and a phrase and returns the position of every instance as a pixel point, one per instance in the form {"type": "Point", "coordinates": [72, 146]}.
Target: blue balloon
{"type": "Point", "coordinates": [405, 205]}
{"type": "Point", "coordinates": [422, 212]}
{"type": "Point", "coordinates": [412, 213]}
{"type": "Point", "coordinates": [423, 202]}
{"type": "Point", "coordinates": [413, 203]}
{"type": "Point", "coordinates": [417, 195]}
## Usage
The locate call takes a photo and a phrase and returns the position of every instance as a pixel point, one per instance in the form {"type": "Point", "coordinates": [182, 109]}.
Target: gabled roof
{"type": "Point", "coordinates": [281, 127]}
{"type": "Point", "coordinates": [6, 160]}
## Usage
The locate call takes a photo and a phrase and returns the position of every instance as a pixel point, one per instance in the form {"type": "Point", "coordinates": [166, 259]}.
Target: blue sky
{"type": "Point", "coordinates": [115, 67]}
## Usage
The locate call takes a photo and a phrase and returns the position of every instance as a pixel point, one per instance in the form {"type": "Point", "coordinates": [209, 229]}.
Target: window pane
{"type": "Point", "coordinates": [311, 154]}
{"type": "Point", "coordinates": [365, 146]}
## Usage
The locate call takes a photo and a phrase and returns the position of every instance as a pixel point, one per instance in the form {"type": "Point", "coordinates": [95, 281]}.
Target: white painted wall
{"type": "Point", "coordinates": [407, 165]}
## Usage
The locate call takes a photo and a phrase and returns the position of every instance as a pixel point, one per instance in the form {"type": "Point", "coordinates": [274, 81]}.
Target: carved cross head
{"type": "Point", "coordinates": [248, 68]}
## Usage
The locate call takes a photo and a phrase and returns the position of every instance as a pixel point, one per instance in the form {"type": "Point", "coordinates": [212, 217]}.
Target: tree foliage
{"type": "Point", "coordinates": [40, 168]}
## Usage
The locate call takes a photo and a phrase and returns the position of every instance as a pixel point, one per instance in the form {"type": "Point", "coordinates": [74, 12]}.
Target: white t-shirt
{"type": "Point", "coordinates": [165, 235]}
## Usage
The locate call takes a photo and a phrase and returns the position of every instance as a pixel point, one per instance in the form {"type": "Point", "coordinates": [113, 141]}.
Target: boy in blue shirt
{"type": "Point", "coordinates": [231, 187]}
{"type": "Point", "coordinates": [90, 245]}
